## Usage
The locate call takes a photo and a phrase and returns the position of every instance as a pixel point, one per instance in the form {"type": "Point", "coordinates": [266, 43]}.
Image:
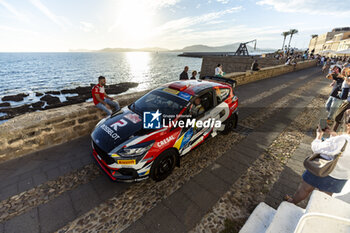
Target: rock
{"type": "Point", "coordinates": [50, 100]}
{"type": "Point", "coordinates": [38, 105]}
{"type": "Point", "coordinates": [53, 92]}
{"type": "Point", "coordinates": [5, 104]}
{"type": "Point", "coordinates": [17, 98]}
{"type": "Point", "coordinates": [78, 90]}
{"type": "Point", "coordinates": [77, 99]}
{"type": "Point", "coordinates": [38, 94]}
{"type": "Point", "coordinates": [119, 88]}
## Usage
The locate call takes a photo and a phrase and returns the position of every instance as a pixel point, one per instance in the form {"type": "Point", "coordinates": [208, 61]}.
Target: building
{"type": "Point", "coordinates": [344, 44]}
{"type": "Point", "coordinates": [329, 41]}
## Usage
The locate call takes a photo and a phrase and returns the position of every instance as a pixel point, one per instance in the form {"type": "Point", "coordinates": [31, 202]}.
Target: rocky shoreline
{"type": "Point", "coordinates": [51, 99]}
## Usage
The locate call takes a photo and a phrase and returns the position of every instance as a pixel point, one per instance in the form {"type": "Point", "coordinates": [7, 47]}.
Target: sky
{"type": "Point", "coordinates": [58, 26]}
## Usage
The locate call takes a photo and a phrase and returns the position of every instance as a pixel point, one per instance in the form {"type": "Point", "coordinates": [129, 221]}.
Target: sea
{"type": "Point", "coordinates": [40, 72]}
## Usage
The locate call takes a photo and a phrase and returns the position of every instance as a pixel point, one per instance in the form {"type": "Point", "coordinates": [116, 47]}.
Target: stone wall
{"type": "Point", "coordinates": [38, 130]}
{"type": "Point", "coordinates": [234, 63]}
{"type": "Point", "coordinates": [268, 72]}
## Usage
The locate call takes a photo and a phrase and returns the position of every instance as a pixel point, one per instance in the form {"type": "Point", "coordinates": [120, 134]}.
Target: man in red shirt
{"type": "Point", "coordinates": [101, 99]}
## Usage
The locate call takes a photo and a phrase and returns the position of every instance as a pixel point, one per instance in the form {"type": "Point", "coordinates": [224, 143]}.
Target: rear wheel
{"type": "Point", "coordinates": [163, 165]}
{"type": "Point", "coordinates": [230, 123]}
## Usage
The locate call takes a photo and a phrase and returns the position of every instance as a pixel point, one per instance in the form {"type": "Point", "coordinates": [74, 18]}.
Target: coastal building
{"type": "Point", "coordinates": [344, 44]}
{"type": "Point", "coordinates": [330, 41]}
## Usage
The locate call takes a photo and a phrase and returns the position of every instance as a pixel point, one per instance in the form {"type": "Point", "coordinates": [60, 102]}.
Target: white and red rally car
{"type": "Point", "coordinates": [148, 137]}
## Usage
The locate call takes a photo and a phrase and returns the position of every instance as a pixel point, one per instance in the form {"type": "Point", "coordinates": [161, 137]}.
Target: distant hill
{"type": "Point", "coordinates": [107, 50]}
{"type": "Point", "coordinates": [192, 48]}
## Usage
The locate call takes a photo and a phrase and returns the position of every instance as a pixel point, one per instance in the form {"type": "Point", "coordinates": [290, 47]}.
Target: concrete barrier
{"type": "Point", "coordinates": [39, 130]}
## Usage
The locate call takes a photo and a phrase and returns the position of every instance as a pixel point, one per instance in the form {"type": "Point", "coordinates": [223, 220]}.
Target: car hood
{"type": "Point", "coordinates": [117, 129]}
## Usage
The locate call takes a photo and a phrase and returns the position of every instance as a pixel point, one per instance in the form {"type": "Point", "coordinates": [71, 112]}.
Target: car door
{"type": "Point", "coordinates": [193, 136]}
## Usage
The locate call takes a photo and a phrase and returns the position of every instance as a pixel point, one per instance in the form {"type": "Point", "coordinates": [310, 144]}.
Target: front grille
{"type": "Point", "coordinates": [128, 172]}
{"type": "Point", "coordinates": [104, 156]}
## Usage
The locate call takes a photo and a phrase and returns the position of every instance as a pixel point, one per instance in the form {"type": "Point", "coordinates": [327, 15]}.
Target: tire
{"type": "Point", "coordinates": [230, 123]}
{"type": "Point", "coordinates": [164, 165]}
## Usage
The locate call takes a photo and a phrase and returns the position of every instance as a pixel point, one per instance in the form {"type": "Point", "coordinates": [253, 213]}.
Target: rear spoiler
{"type": "Point", "coordinates": [231, 82]}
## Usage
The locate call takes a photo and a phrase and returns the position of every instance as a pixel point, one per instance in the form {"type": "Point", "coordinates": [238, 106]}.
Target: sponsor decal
{"type": "Point", "coordinates": [110, 132]}
{"type": "Point", "coordinates": [134, 118]}
{"type": "Point", "coordinates": [151, 120]}
{"type": "Point", "coordinates": [171, 91]}
{"type": "Point", "coordinates": [185, 96]}
{"type": "Point", "coordinates": [115, 155]}
{"type": "Point", "coordinates": [120, 123]}
{"type": "Point", "coordinates": [165, 141]}
{"type": "Point", "coordinates": [127, 162]}
{"type": "Point", "coordinates": [188, 135]}
{"type": "Point", "coordinates": [233, 106]}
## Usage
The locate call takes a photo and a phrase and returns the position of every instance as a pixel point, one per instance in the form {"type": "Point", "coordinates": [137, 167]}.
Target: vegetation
{"type": "Point", "coordinates": [292, 32]}
{"type": "Point", "coordinates": [284, 34]}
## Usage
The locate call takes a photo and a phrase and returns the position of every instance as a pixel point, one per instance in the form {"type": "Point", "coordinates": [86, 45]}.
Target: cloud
{"type": "Point", "coordinates": [54, 18]}
{"type": "Point", "coordinates": [19, 30]}
{"type": "Point", "coordinates": [229, 35]}
{"type": "Point", "coordinates": [11, 9]}
{"type": "Point", "coordinates": [198, 5]}
{"type": "Point", "coordinates": [163, 3]}
{"type": "Point", "coordinates": [314, 7]}
{"type": "Point", "coordinates": [223, 1]}
{"type": "Point", "coordinates": [178, 24]}
{"type": "Point", "coordinates": [86, 27]}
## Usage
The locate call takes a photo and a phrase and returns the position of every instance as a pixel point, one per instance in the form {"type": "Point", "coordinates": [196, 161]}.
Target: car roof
{"type": "Point", "coordinates": [193, 87]}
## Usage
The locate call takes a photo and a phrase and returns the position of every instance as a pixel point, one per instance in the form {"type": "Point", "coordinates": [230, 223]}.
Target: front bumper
{"type": "Point", "coordinates": [122, 174]}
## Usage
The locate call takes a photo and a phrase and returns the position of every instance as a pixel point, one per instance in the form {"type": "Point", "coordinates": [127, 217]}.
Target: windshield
{"type": "Point", "coordinates": [159, 100]}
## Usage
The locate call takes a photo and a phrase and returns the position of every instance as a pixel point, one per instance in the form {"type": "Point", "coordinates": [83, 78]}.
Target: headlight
{"type": "Point", "coordinates": [136, 150]}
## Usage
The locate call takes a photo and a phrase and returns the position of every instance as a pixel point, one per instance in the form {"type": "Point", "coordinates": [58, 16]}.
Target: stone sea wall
{"type": "Point", "coordinates": [268, 72]}
{"type": "Point", "coordinates": [235, 63]}
{"type": "Point", "coordinates": [38, 130]}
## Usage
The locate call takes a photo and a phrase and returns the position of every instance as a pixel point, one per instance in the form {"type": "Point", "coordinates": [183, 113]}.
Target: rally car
{"type": "Point", "coordinates": [148, 137]}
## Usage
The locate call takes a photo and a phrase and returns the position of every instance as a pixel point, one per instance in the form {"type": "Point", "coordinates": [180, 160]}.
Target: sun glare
{"type": "Point", "coordinates": [139, 68]}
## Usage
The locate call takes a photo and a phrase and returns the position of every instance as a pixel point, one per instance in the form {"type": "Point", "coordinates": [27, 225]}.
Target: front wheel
{"type": "Point", "coordinates": [163, 165]}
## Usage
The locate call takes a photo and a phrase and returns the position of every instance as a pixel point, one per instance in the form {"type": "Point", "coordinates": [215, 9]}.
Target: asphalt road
{"type": "Point", "coordinates": [49, 165]}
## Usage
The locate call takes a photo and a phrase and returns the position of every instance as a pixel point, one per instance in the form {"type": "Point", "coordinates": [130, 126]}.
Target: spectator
{"type": "Point", "coordinates": [326, 66]}
{"type": "Point", "coordinates": [218, 70]}
{"type": "Point", "coordinates": [335, 181]}
{"type": "Point", "coordinates": [101, 99]}
{"type": "Point", "coordinates": [288, 61]}
{"type": "Point", "coordinates": [255, 66]}
{"type": "Point", "coordinates": [346, 104]}
{"type": "Point", "coordinates": [194, 73]}
{"type": "Point", "coordinates": [184, 75]}
{"type": "Point", "coordinates": [291, 61]}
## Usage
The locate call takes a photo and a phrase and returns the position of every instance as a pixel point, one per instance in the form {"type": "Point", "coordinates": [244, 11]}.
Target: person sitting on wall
{"type": "Point", "coordinates": [194, 73]}
{"type": "Point", "coordinates": [255, 66]}
{"type": "Point", "coordinates": [218, 71]}
{"type": "Point", "coordinates": [184, 75]}
{"type": "Point", "coordinates": [101, 99]}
